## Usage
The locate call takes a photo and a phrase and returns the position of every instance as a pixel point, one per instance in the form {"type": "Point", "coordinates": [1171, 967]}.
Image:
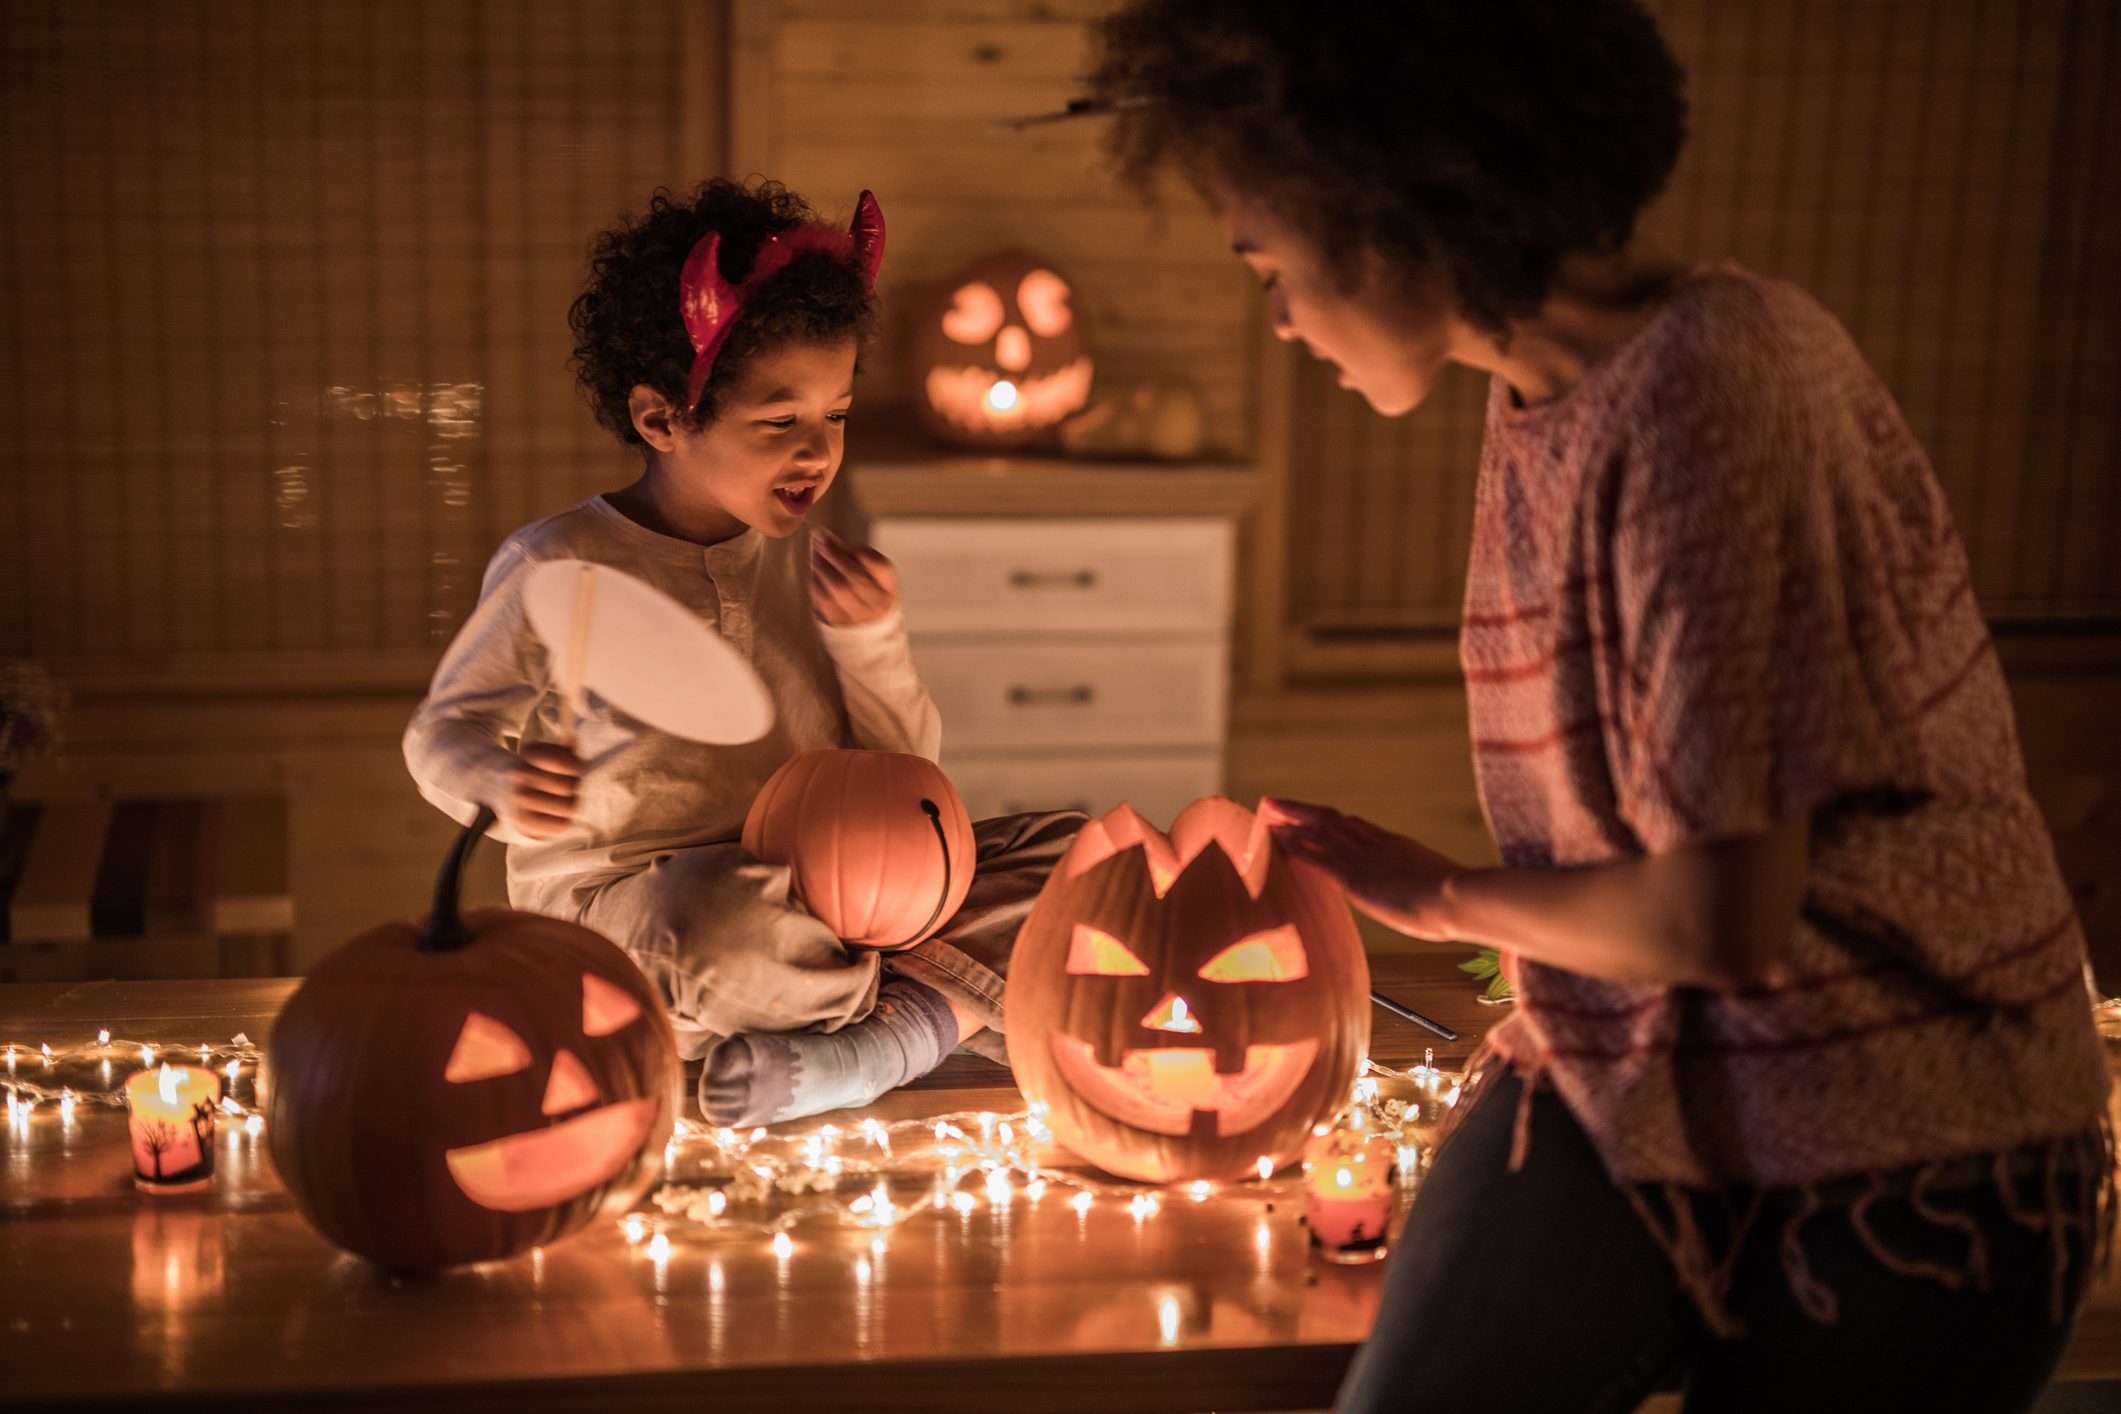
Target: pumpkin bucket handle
{"type": "Point", "coordinates": [445, 930]}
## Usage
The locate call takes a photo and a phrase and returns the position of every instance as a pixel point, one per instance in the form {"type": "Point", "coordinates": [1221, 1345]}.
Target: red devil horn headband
{"type": "Point", "coordinates": [711, 304]}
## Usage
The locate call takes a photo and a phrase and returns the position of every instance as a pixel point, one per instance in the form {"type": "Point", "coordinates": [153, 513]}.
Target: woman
{"type": "Point", "coordinates": [1801, 1101]}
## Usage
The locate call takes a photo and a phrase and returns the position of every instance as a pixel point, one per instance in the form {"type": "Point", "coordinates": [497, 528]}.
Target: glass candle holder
{"type": "Point", "coordinates": [1350, 1183]}
{"type": "Point", "coordinates": [172, 1124]}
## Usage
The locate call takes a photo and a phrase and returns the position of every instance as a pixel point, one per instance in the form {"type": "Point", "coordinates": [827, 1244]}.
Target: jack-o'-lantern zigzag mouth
{"type": "Point", "coordinates": [960, 396]}
{"type": "Point", "coordinates": [544, 1167]}
{"type": "Point", "coordinates": [1161, 1090]}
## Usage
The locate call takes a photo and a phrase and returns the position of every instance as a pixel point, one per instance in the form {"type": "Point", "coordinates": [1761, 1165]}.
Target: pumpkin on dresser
{"type": "Point", "coordinates": [878, 843]}
{"type": "Point", "coordinates": [1186, 1005]}
{"type": "Point", "coordinates": [469, 1087]}
{"type": "Point", "coordinates": [1001, 355]}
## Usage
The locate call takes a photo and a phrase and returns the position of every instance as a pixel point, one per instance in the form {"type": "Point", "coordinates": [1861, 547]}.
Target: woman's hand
{"type": "Point", "coordinates": [850, 584]}
{"type": "Point", "coordinates": [542, 787]}
{"type": "Point", "coordinates": [1397, 881]}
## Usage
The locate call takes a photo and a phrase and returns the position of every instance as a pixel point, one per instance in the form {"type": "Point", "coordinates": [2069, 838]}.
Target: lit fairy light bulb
{"type": "Point", "coordinates": [717, 1204]}
{"type": "Point", "coordinates": [205, 1052]}
{"type": "Point", "coordinates": [1035, 1189]}
{"type": "Point", "coordinates": [783, 1245]}
{"type": "Point", "coordinates": [1265, 1168]}
{"type": "Point", "coordinates": [635, 1227]}
{"type": "Point", "coordinates": [231, 1068]}
{"type": "Point", "coordinates": [964, 1203]}
{"type": "Point", "coordinates": [254, 1126]}
{"type": "Point", "coordinates": [1081, 1202]}
{"type": "Point", "coordinates": [103, 1035]}
{"type": "Point", "coordinates": [147, 1055]}
{"type": "Point", "coordinates": [876, 1134]}
{"type": "Point", "coordinates": [1199, 1189]}
{"type": "Point", "coordinates": [1144, 1205]}
{"type": "Point", "coordinates": [46, 1048]}
{"type": "Point", "coordinates": [998, 1190]}
{"type": "Point", "coordinates": [1002, 396]}
{"type": "Point", "coordinates": [659, 1248]}
{"type": "Point", "coordinates": [66, 1106]}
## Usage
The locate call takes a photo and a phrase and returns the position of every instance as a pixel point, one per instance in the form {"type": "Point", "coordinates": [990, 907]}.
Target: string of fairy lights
{"type": "Point", "coordinates": [766, 1183]}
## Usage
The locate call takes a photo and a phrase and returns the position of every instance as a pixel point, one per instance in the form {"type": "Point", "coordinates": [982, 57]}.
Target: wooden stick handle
{"type": "Point", "coordinates": [573, 665]}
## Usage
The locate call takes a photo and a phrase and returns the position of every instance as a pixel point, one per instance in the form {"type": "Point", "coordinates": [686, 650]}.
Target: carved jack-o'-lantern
{"type": "Point", "coordinates": [878, 843]}
{"type": "Point", "coordinates": [1001, 357]}
{"type": "Point", "coordinates": [469, 1089]}
{"type": "Point", "coordinates": [1186, 1005]}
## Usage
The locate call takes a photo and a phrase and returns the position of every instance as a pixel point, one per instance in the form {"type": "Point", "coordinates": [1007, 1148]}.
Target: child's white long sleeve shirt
{"type": "Point", "coordinates": [646, 792]}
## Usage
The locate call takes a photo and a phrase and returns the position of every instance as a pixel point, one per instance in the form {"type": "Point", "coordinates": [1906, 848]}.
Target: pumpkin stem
{"type": "Point", "coordinates": [445, 931]}
{"type": "Point", "coordinates": [935, 819]}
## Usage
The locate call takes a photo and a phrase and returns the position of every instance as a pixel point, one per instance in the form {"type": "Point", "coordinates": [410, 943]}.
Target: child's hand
{"type": "Point", "coordinates": [541, 790]}
{"type": "Point", "coordinates": [850, 584]}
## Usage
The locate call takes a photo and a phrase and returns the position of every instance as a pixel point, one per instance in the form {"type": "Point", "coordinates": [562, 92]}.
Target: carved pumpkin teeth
{"type": "Point", "coordinates": [1162, 1091]}
{"type": "Point", "coordinates": [519, 1172]}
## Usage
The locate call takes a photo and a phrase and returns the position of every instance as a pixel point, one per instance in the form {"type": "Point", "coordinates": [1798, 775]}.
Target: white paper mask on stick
{"type": "Point", "coordinates": [643, 652]}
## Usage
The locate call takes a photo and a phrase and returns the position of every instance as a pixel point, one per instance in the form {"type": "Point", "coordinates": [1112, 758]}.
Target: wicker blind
{"type": "Point", "coordinates": [1945, 176]}
{"type": "Point", "coordinates": [286, 292]}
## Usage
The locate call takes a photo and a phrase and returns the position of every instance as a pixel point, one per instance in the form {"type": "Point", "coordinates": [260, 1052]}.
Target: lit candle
{"type": "Point", "coordinates": [172, 1127]}
{"type": "Point", "coordinates": [1349, 1185]}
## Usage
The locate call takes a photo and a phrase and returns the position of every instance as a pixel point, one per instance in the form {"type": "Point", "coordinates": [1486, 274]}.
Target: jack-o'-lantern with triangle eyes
{"type": "Point", "coordinates": [1001, 354]}
{"type": "Point", "coordinates": [1186, 1005]}
{"type": "Point", "coordinates": [468, 1088]}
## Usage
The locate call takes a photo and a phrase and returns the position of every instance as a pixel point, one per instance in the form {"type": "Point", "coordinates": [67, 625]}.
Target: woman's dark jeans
{"type": "Point", "coordinates": [1540, 1292]}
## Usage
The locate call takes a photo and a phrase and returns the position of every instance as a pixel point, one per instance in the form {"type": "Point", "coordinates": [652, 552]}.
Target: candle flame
{"type": "Point", "coordinates": [1002, 396]}
{"type": "Point", "coordinates": [168, 1082]}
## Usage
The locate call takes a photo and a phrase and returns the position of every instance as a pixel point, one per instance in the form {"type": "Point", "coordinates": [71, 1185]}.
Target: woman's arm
{"type": "Point", "coordinates": [1717, 913]}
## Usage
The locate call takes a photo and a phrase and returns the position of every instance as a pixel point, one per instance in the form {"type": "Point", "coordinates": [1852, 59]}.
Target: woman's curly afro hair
{"type": "Point", "coordinates": [1475, 140]}
{"type": "Point", "coordinates": [627, 326]}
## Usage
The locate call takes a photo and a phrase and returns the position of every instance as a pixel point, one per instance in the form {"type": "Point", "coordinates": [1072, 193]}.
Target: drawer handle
{"type": "Point", "coordinates": [1053, 579]}
{"type": "Point", "coordinates": [1080, 695]}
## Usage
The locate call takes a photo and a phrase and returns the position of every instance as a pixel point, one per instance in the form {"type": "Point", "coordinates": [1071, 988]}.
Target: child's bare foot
{"type": "Point", "coordinates": [760, 1078]}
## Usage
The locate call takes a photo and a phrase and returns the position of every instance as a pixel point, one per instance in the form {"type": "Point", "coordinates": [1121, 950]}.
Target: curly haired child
{"type": "Point", "coordinates": [719, 335]}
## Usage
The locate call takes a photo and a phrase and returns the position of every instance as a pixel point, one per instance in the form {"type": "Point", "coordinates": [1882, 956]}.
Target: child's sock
{"type": "Point", "coordinates": [758, 1078]}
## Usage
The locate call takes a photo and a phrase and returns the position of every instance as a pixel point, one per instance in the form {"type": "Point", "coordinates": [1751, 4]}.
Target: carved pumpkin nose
{"type": "Point", "coordinates": [570, 1087]}
{"type": "Point", "coordinates": [1172, 1014]}
{"type": "Point", "coordinates": [1012, 349]}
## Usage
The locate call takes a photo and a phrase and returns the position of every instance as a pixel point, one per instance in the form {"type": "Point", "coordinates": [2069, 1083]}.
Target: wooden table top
{"type": "Point", "coordinates": [228, 1299]}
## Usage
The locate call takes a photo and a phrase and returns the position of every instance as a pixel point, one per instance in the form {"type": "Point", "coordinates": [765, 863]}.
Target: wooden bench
{"type": "Point", "coordinates": [138, 888]}
{"type": "Point", "coordinates": [228, 1301]}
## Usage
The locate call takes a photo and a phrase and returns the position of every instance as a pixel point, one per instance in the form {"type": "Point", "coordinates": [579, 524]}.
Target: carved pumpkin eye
{"type": "Point", "coordinates": [1273, 956]}
{"type": "Point", "coordinates": [974, 315]}
{"type": "Point", "coordinates": [1043, 298]}
{"type": "Point", "coordinates": [606, 1007]}
{"type": "Point", "coordinates": [1095, 953]}
{"type": "Point", "coordinates": [484, 1050]}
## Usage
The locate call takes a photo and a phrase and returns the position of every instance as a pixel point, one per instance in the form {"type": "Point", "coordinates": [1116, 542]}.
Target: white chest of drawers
{"type": "Point", "coordinates": [1072, 624]}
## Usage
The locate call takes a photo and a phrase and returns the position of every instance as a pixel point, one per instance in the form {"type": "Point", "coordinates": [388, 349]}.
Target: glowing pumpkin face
{"type": "Point", "coordinates": [1186, 1005]}
{"type": "Point", "coordinates": [434, 1104]}
{"type": "Point", "coordinates": [1002, 358]}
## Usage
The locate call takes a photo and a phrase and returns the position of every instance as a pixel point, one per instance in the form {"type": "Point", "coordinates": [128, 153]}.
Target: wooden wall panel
{"type": "Point", "coordinates": [286, 287]}
{"type": "Point", "coordinates": [1944, 176]}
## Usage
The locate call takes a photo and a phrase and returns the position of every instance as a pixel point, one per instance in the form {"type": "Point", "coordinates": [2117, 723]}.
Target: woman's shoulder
{"type": "Point", "coordinates": [1731, 328]}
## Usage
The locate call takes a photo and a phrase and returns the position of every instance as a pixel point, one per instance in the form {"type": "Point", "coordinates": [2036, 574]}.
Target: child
{"type": "Point", "coordinates": [719, 334]}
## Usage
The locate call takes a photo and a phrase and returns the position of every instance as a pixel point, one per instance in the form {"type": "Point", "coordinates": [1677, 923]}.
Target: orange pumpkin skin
{"type": "Point", "coordinates": [399, 1150]}
{"type": "Point", "coordinates": [878, 843]}
{"type": "Point", "coordinates": [1132, 920]}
